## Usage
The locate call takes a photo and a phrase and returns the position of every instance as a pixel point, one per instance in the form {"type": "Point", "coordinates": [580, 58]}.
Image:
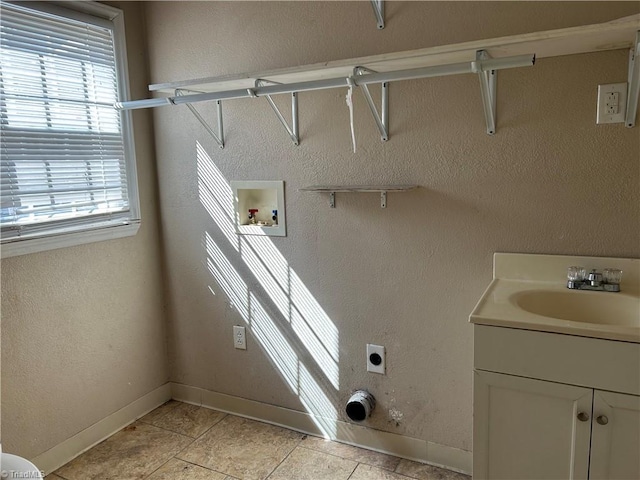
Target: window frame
{"type": "Point", "coordinates": [90, 229]}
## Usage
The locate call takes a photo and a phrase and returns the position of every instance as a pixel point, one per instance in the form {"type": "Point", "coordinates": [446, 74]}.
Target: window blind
{"type": "Point", "coordinates": [63, 155]}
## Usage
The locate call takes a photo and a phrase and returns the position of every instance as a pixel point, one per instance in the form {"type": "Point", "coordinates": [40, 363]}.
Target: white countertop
{"type": "Point", "coordinates": [516, 275]}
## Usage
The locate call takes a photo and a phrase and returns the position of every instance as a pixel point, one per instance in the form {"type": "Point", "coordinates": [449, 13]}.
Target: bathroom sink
{"type": "Point", "coordinates": [530, 292]}
{"type": "Point", "coordinates": [582, 306]}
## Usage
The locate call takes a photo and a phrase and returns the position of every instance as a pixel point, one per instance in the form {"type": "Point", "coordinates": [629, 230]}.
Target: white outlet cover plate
{"type": "Point", "coordinates": [379, 349]}
{"type": "Point", "coordinates": [602, 115]}
{"type": "Point", "coordinates": [239, 338]}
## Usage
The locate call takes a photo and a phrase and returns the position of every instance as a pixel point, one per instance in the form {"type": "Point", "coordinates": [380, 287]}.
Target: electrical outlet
{"type": "Point", "coordinates": [375, 359]}
{"type": "Point", "coordinates": [239, 338]}
{"type": "Point", "coordinates": [612, 103]}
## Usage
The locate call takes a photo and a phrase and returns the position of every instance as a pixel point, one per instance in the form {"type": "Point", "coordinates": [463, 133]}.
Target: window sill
{"type": "Point", "coordinates": [41, 244]}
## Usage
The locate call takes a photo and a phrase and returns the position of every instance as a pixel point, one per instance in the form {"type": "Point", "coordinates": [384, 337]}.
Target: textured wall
{"type": "Point", "coordinates": [407, 276]}
{"type": "Point", "coordinates": [83, 327]}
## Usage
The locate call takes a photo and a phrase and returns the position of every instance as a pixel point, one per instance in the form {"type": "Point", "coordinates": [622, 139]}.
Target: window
{"type": "Point", "coordinates": [67, 164]}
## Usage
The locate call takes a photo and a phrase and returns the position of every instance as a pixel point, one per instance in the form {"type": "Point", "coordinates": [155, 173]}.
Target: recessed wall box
{"type": "Point", "coordinates": [254, 203]}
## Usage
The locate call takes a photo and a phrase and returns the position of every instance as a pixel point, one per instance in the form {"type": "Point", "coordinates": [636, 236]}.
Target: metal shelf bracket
{"type": "Point", "coordinates": [219, 136]}
{"type": "Point", "coordinates": [378, 11]}
{"type": "Point", "coordinates": [381, 189]}
{"type": "Point", "coordinates": [382, 120]}
{"type": "Point", "coordinates": [488, 82]}
{"type": "Point", "coordinates": [383, 199]}
{"type": "Point", "coordinates": [634, 83]}
{"type": "Point", "coordinates": [292, 130]}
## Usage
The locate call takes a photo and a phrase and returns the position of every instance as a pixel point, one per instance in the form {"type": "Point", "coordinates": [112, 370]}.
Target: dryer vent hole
{"type": "Point", "coordinates": [356, 412]}
{"type": "Point", "coordinates": [375, 359]}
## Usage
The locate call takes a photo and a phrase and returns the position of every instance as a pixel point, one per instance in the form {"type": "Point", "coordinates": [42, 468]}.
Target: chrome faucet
{"type": "Point", "coordinates": [608, 281]}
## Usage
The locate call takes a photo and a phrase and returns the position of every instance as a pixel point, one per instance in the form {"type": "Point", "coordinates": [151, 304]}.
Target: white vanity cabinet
{"type": "Point", "coordinates": [533, 429]}
{"type": "Point", "coordinates": [615, 436]}
{"type": "Point", "coordinates": [551, 406]}
{"type": "Point", "coordinates": [526, 428]}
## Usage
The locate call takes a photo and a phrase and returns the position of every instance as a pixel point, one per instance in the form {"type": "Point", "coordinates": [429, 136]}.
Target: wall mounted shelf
{"type": "Point", "coordinates": [481, 57]}
{"type": "Point", "coordinates": [382, 189]}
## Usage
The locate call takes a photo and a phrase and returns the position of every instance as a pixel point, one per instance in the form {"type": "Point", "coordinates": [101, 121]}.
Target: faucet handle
{"type": "Point", "coordinates": [576, 274]}
{"type": "Point", "coordinates": [612, 276]}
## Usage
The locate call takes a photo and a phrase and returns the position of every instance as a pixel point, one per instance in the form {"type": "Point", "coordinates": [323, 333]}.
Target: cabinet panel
{"type": "Point", "coordinates": [528, 429]}
{"type": "Point", "coordinates": [588, 362]}
{"type": "Point", "coordinates": [615, 440]}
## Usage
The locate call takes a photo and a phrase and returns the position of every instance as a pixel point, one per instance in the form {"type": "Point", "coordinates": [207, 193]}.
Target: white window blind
{"type": "Point", "coordinates": [63, 154]}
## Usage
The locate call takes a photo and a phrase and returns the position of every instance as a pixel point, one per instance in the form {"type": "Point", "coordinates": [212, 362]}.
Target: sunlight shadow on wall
{"type": "Point", "coordinates": [308, 320]}
{"type": "Point", "coordinates": [301, 316]}
{"type": "Point", "coordinates": [272, 340]}
{"type": "Point", "coordinates": [227, 277]}
{"type": "Point", "coordinates": [220, 205]}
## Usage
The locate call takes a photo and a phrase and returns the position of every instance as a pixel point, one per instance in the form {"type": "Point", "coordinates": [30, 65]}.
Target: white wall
{"type": "Point", "coordinates": [407, 277]}
{"type": "Point", "coordinates": [83, 329]}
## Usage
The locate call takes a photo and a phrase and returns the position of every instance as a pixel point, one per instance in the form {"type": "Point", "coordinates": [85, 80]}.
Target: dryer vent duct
{"type": "Point", "coordinates": [360, 405]}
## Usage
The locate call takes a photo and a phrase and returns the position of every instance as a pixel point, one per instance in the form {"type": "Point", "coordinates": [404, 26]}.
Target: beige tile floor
{"type": "Point", "coordinates": [178, 441]}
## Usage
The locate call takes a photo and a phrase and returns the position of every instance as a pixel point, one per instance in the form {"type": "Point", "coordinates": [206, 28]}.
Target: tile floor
{"type": "Point", "coordinates": [178, 441]}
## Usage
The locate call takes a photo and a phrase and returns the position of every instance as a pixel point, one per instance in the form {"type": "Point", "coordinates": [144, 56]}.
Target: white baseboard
{"type": "Point", "coordinates": [66, 451]}
{"type": "Point", "coordinates": [358, 435]}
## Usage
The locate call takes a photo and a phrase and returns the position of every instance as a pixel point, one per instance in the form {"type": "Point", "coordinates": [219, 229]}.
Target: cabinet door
{"type": "Point", "coordinates": [615, 439]}
{"type": "Point", "coordinates": [529, 429]}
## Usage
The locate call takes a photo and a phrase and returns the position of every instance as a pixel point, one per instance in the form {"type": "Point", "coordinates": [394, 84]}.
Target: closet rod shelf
{"type": "Point", "coordinates": [614, 35]}
{"type": "Point", "coordinates": [382, 189]}
{"type": "Point", "coordinates": [481, 57]}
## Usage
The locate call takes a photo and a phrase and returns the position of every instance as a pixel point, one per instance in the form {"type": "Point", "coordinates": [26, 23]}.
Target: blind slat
{"type": "Point", "coordinates": [57, 98]}
{"type": "Point", "coordinates": [41, 20]}
{"type": "Point", "coordinates": [51, 136]}
{"type": "Point", "coordinates": [78, 191]}
{"type": "Point", "coordinates": [45, 48]}
{"type": "Point", "coordinates": [27, 65]}
{"type": "Point", "coordinates": [94, 176]}
{"type": "Point", "coordinates": [33, 30]}
{"type": "Point", "coordinates": [18, 27]}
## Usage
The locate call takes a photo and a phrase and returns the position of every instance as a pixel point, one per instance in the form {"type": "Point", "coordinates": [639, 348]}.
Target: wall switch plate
{"type": "Point", "coordinates": [612, 103]}
{"type": "Point", "coordinates": [375, 359]}
{"type": "Point", "coordinates": [239, 338]}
